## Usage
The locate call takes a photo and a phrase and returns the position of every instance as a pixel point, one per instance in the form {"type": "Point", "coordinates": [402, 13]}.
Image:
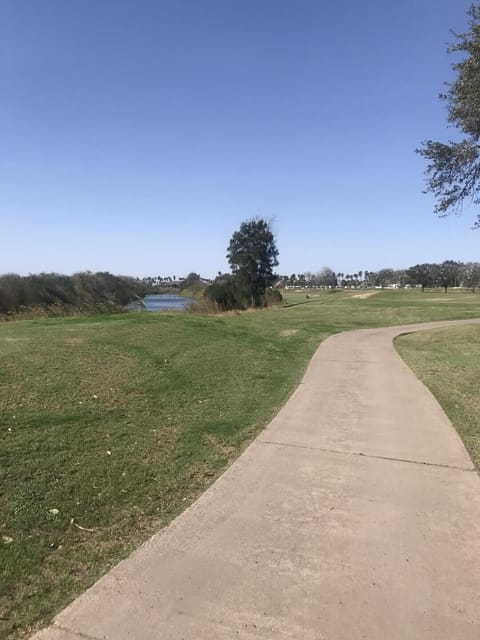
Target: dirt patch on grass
{"type": "Point", "coordinates": [288, 332]}
{"type": "Point", "coordinates": [223, 449]}
{"type": "Point", "coordinates": [362, 296]}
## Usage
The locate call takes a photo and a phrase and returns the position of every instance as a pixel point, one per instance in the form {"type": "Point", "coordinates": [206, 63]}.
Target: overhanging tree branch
{"type": "Point", "coordinates": [453, 170]}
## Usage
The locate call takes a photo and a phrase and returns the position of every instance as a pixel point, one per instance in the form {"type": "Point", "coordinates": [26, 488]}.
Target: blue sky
{"type": "Point", "coordinates": [136, 136]}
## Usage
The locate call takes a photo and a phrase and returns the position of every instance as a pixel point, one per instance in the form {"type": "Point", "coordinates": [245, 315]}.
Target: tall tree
{"type": "Point", "coordinates": [422, 274]}
{"type": "Point", "coordinates": [327, 278]}
{"type": "Point", "coordinates": [448, 274]}
{"type": "Point", "coordinates": [384, 277]}
{"type": "Point", "coordinates": [453, 170]}
{"type": "Point", "coordinates": [301, 280]}
{"type": "Point", "coordinates": [252, 255]}
{"type": "Point", "coordinates": [471, 275]}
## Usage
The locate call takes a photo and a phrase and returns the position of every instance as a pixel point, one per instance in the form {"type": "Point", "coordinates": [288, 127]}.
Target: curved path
{"type": "Point", "coordinates": [355, 514]}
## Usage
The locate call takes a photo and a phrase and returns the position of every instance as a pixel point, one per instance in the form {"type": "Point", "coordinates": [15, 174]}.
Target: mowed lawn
{"type": "Point", "coordinates": [110, 426]}
{"type": "Point", "coordinates": [448, 362]}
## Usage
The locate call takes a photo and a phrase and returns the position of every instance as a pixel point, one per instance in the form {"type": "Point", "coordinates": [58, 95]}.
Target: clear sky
{"type": "Point", "coordinates": [136, 135]}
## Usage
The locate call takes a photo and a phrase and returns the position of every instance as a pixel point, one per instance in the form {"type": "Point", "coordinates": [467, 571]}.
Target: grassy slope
{"type": "Point", "coordinates": [119, 422]}
{"type": "Point", "coordinates": [448, 362]}
{"type": "Point", "coordinates": [196, 290]}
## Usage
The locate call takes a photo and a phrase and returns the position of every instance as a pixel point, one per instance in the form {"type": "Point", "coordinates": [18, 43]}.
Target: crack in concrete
{"type": "Point", "coordinates": [368, 455]}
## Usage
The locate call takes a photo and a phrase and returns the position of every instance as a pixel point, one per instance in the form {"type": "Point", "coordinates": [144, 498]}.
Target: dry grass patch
{"type": "Point", "coordinates": [364, 296]}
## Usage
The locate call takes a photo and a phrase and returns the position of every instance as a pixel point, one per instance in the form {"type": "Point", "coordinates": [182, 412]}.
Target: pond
{"type": "Point", "coordinates": [165, 302]}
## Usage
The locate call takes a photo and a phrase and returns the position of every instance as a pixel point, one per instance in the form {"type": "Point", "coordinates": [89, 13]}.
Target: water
{"type": "Point", "coordinates": [166, 302]}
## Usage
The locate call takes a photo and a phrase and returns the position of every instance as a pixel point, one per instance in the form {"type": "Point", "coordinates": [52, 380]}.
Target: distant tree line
{"type": "Point", "coordinates": [161, 283]}
{"type": "Point", "coordinates": [56, 293]}
{"type": "Point", "coordinates": [449, 273]}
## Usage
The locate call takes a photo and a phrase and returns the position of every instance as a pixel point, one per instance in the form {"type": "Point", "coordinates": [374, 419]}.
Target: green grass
{"type": "Point", "coordinates": [448, 362]}
{"type": "Point", "coordinates": [195, 290]}
{"type": "Point", "coordinates": [119, 422]}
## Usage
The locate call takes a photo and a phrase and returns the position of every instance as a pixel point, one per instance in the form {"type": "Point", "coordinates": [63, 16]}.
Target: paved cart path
{"type": "Point", "coordinates": [355, 514]}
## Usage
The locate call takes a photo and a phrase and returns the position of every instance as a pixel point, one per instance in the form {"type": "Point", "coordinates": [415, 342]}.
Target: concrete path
{"type": "Point", "coordinates": [355, 514]}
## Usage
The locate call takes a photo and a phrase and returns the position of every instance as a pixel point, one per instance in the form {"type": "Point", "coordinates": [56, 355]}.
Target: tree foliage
{"type": "Point", "coordinates": [471, 272]}
{"type": "Point", "coordinates": [253, 255]}
{"type": "Point", "coordinates": [422, 274]}
{"type": "Point", "coordinates": [447, 274]}
{"type": "Point", "coordinates": [224, 290]}
{"type": "Point", "coordinates": [384, 277]}
{"type": "Point", "coordinates": [326, 278]}
{"type": "Point", "coordinates": [453, 169]}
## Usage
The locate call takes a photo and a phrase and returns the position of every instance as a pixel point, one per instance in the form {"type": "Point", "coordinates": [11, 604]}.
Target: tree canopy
{"type": "Point", "coordinates": [253, 255]}
{"type": "Point", "coordinates": [453, 169]}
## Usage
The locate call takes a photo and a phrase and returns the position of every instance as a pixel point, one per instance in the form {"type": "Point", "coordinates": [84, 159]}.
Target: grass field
{"type": "Point", "coordinates": [448, 362]}
{"type": "Point", "coordinates": [110, 426]}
